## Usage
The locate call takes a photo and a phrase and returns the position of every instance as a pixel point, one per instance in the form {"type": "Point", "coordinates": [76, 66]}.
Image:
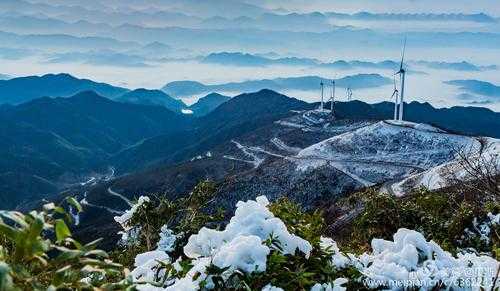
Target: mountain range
{"type": "Point", "coordinates": [307, 83]}
{"type": "Point", "coordinates": [250, 60]}
{"type": "Point", "coordinates": [52, 144]}
{"type": "Point", "coordinates": [477, 87]}
{"type": "Point", "coordinates": [301, 153]}
{"type": "Point", "coordinates": [363, 15]}
{"type": "Point", "coordinates": [254, 60]}
{"type": "Point", "coordinates": [22, 89]}
{"type": "Point", "coordinates": [53, 141]}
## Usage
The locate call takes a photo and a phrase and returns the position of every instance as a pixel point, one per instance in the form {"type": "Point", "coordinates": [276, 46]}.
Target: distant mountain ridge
{"type": "Point", "coordinates": [254, 60]}
{"type": "Point", "coordinates": [308, 83]}
{"type": "Point", "coordinates": [477, 17]}
{"type": "Point", "coordinates": [245, 59]}
{"type": "Point", "coordinates": [457, 66]}
{"type": "Point", "coordinates": [22, 89]}
{"type": "Point", "coordinates": [477, 87]}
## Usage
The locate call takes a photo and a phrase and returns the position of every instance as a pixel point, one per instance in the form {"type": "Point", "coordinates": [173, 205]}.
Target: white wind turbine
{"type": "Point", "coordinates": [349, 94]}
{"type": "Point", "coordinates": [333, 96]}
{"type": "Point", "coordinates": [402, 76]}
{"type": "Point", "coordinates": [322, 95]}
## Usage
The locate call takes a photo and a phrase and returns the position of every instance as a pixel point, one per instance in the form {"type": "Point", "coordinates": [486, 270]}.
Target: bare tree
{"type": "Point", "coordinates": [476, 170]}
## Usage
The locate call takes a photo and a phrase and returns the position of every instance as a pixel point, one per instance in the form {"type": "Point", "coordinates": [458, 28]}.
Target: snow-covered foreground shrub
{"type": "Point", "coordinates": [409, 260]}
{"type": "Point", "coordinates": [152, 221]}
{"type": "Point", "coordinates": [257, 250]}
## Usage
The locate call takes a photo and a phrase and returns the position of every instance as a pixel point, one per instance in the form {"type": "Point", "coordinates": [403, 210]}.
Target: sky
{"type": "Point", "coordinates": [141, 43]}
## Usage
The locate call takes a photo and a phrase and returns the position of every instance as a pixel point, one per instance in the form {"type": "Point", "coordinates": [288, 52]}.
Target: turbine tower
{"type": "Point", "coordinates": [322, 94]}
{"type": "Point", "coordinates": [349, 93]}
{"type": "Point", "coordinates": [395, 95]}
{"type": "Point", "coordinates": [333, 95]}
{"type": "Point", "coordinates": [402, 75]}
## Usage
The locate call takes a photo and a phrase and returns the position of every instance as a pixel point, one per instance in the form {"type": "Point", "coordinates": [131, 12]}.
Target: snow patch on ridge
{"type": "Point", "coordinates": [383, 151]}
{"type": "Point", "coordinates": [435, 177]}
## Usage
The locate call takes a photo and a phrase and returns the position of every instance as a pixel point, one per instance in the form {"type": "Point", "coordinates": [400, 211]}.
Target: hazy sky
{"type": "Point", "coordinates": [57, 37]}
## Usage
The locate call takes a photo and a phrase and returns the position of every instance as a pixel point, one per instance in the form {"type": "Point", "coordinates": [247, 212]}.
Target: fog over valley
{"type": "Point", "coordinates": [138, 45]}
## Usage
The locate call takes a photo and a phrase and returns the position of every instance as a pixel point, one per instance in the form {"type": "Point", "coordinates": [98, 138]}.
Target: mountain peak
{"type": "Point", "coordinates": [208, 103]}
{"type": "Point", "coordinates": [152, 97]}
{"type": "Point", "coordinates": [88, 95]}
{"type": "Point", "coordinates": [60, 75]}
{"type": "Point", "coordinates": [257, 105]}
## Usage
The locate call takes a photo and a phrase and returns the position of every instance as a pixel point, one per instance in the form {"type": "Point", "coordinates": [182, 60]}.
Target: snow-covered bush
{"type": "Point", "coordinates": [411, 261]}
{"type": "Point", "coordinates": [483, 234]}
{"type": "Point", "coordinates": [157, 223]}
{"type": "Point", "coordinates": [257, 250]}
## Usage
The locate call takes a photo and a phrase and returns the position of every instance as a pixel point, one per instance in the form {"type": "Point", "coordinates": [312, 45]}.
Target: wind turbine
{"type": "Point", "coordinates": [322, 93]}
{"type": "Point", "coordinates": [349, 93]}
{"type": "Point", "coordinates": [402, 75]}
{"type": "Point", "coordinates": [395, 95]}
{"type": "Point", "coordinates": [333, 95]}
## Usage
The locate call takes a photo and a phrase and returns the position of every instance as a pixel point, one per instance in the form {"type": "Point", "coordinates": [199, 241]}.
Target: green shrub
{"type": "Point", "coordinates": [440, 216]}
{"type": "Point", "coordinates": [38, 253]}
{"type": "Point", "coordinates": [308, 225]}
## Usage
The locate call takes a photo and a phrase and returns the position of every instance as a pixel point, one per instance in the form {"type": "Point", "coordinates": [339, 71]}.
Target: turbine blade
{"type": "Point", "coordinates": [403, 55]}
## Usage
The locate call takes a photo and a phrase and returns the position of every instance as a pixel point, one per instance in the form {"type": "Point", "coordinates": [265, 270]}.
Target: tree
{"type": "Point", "coordinates": [476, 170]}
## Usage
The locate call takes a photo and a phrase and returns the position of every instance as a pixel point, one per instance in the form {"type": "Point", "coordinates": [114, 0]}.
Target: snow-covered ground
{"type": "Point", "coordinates": [383, 151]}
{"type": "Point", "coordinates": [398, 154]}
{"type": "Point", "coordinates": [436, 177]}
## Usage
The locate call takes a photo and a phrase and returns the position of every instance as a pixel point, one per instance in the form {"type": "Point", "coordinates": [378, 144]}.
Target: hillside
{"type": "Point", "coordinates": [304, 156]}
{"type": "Point", "coordinates": [239, 115]}
{"type": "Point", "coordinates": [57, 141]}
